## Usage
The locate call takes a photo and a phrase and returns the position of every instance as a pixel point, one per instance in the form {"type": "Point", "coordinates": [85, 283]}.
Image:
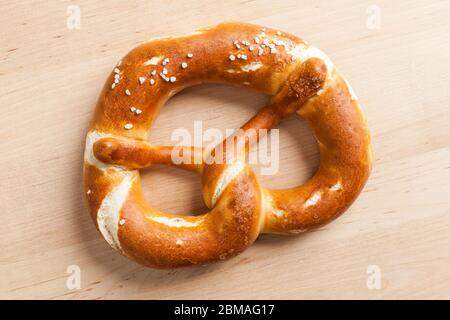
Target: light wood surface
{"type": "Point", "coordinates": [50, 77]}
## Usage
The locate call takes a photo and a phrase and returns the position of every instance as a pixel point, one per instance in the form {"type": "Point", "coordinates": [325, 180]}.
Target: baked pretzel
{"type": "Point", "coordinates": [300, 78]}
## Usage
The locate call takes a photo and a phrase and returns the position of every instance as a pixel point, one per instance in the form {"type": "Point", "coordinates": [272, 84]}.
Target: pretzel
{"type": "Point", "coordinates": [300, 79]}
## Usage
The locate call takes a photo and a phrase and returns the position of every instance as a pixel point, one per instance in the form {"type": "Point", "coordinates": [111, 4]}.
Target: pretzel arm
{"type": "Point", "coordinates": [300, 86]}
{"type": "Point", "coordinates": [137, 154]}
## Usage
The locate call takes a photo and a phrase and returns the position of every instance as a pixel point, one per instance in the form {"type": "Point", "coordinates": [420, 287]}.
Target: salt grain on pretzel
{"type": "Point", "coordinates": [301, 80]}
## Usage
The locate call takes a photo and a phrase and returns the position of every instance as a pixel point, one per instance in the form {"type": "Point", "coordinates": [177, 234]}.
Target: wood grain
{"type": "Point", "coordinates": [50, 77]}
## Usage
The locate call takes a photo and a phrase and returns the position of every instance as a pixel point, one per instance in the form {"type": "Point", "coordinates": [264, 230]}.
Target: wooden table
{"type": "Point", "coordinates": [397, 59]}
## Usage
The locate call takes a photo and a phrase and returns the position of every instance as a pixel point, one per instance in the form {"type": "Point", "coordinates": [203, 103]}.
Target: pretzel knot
{"type": "Point", "coordinates": [300, 78]}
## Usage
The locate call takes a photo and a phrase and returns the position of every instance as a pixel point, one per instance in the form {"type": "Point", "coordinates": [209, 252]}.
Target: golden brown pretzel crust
{"type": "Point", "coordinates": [300, 79]}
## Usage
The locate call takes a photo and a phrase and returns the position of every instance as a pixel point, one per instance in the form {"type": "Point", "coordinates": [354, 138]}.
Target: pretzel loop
{"type": "Point", "coordinates": [299, 77]}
